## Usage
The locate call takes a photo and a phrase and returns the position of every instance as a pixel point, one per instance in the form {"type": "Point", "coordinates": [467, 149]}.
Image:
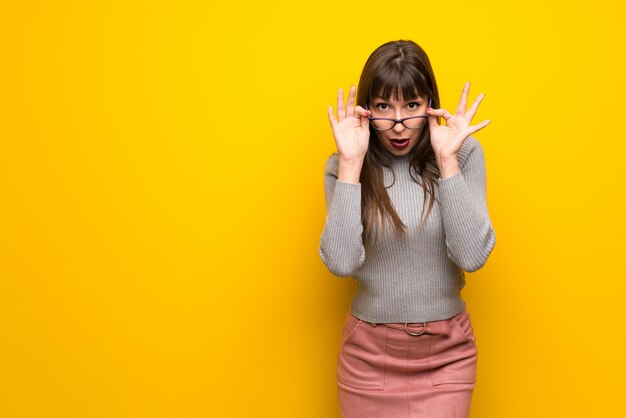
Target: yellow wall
{"type": "Point", "coordinates": [162, 202]}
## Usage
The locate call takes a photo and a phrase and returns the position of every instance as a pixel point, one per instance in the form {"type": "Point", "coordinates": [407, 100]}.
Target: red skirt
{"type": "Point", "coordinates": [399, 370]}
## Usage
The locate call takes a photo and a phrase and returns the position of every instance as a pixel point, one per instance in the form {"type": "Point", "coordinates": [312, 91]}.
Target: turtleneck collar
{"type": "Point", "coordinates": [401, 158]}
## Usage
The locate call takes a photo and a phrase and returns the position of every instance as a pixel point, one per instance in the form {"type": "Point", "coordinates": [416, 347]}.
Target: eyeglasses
{"type": "Point", "coordinates": [412, 122]}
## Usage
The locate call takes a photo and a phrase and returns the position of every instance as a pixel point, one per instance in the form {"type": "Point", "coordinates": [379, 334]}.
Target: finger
{"type": "Point", "coordinates": [460, 109]}
{"type": "Point", "coordinates": [476, 128]}
{"type": "Point", "coordinates": [472, 111]}
{"type": "Point", "coordinates": [440, 112]}
{"type": "Point", "coordinates": [341, 114]}
{"type": "Point", "coordinates": [362, 114]}
{"type": "Point", "coordinates": [350, 106]}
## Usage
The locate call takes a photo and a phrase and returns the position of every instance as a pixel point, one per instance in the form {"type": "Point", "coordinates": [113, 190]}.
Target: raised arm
{"type": "Point", "coordinates": [462, 197]}
{"type": "Point", "coordinates": [341, 247]}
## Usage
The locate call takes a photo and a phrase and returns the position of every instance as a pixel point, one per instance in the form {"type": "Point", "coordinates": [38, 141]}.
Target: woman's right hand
{"type": "Point", "coordinates": [351, 129]}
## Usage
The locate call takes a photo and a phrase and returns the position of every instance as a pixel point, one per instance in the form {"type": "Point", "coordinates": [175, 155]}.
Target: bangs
{"type": "Point", "coordinates": [397, 78]}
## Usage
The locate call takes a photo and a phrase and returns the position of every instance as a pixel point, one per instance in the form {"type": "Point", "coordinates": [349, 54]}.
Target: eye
{"type": "Point", "coordinates": [379, 106]}
{"type": "Point", "coordinates": [414, 105]}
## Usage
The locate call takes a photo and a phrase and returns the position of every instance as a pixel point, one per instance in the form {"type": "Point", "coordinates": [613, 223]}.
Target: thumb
{"type": "Point", "coordinates": [433, 120]}
{"type": "Point", "coordinates": [362, 114]}
{"type": "Point", "coordinates": [433, 116]}
{"type": "Point", "coordinates": [331, 117]}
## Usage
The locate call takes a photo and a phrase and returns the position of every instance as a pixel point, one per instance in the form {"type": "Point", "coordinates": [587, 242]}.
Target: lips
{"type": "Point", "coordinates": [399, 143]}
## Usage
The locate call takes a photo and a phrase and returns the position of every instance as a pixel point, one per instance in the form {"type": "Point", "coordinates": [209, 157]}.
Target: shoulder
{"type": "Point", "coordinates": [332, 164]}
{"type": "Point", "coordinates": [471, 151]}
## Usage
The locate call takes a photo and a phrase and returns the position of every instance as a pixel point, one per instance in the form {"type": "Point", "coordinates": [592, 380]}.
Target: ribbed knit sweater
{"type": "Point", "coordinates": [417, 278]}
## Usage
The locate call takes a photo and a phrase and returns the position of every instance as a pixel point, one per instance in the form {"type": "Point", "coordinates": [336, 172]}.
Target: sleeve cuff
{"type": "Point", "coordinates": [451, 179]}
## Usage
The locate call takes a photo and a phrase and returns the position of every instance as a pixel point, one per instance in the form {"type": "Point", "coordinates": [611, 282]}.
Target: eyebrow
{"type": "Point", "coordinates": [406, 101]}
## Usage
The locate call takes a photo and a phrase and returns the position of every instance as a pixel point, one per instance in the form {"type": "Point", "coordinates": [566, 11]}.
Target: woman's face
{"type": "Point", "coordinates": [400, 140]}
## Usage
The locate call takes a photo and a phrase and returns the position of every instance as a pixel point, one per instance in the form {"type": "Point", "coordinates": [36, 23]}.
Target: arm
{"type": "Point", "coordinates": [470, 237]}
{"type": "Point", "coordinates": [341, 247]}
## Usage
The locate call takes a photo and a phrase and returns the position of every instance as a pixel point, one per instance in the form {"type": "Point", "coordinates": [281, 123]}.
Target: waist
{"type": "Point", "coordinates": [417, 328]}
{"type": "Point", "coordinates": [410, 307]}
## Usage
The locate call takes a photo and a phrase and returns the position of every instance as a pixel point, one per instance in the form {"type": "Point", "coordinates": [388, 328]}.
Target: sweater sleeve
{"type": "Point", "coordinates": [470, 237]}
{"type": "Point", "coordinates": [341, 247]}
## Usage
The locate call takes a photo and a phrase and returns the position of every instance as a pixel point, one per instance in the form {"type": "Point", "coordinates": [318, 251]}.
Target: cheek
{"type": "Point", "coordinates": [380, 136]}
{"type": "Point", "coordinates": [418, 133]}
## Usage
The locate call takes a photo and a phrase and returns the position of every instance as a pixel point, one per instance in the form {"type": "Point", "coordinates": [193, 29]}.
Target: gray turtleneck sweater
{"type": "Point", "coordinates": [417, 278]}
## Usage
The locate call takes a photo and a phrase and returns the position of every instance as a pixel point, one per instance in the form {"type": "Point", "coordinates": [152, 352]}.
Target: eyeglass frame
{"type": "Point", "coordinates": [396, 121]}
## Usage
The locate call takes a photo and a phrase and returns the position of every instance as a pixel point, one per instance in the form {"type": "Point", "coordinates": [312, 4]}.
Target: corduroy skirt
{"type": "Point", "coordinates": [397, 370]}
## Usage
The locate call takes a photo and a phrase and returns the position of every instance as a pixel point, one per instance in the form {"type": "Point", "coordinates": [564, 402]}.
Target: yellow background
{"type": "Point", "coordinates": [162, 202]}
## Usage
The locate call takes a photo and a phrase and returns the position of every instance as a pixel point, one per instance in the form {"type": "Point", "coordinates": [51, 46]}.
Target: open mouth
{"type": "Point", "coordinates": [399, 143]}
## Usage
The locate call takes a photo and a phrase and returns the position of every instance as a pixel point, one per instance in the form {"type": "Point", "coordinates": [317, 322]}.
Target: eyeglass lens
{"type": "Point", "coordinates": [412, 123]}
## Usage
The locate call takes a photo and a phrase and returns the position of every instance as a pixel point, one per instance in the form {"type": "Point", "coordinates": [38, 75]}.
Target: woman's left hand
{"type": "Point", "coordinates": [447, 139]}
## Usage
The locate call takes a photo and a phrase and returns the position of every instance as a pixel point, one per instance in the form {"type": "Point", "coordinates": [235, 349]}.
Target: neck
{"type": "Point", "coordinates": [398, 158]}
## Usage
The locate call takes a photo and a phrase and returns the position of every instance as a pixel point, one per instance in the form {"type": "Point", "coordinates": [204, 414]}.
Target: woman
{"type": "Point", "coordinates": [406, 216]}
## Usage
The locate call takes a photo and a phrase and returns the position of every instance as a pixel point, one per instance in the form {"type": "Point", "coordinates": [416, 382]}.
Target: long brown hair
{"type": "Point", "coordinates": [397, 66]}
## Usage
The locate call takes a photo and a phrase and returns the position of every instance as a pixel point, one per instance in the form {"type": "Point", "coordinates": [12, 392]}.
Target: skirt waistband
{"type": "Point", "coordinates": [419, 328]}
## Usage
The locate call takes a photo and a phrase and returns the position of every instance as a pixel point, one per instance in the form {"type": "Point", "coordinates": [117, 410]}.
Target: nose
{"type": "Point", "coordinates": [399, 127]}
